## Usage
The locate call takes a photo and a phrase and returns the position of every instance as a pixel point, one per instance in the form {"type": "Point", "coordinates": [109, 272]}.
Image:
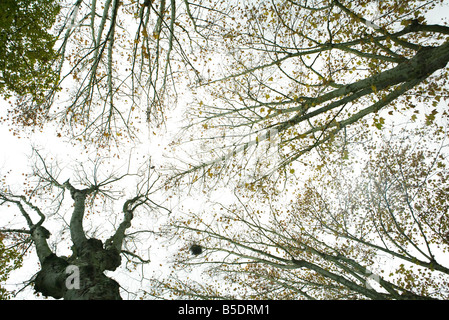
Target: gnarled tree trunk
{"type": "Point", "coordinates": [81, 276]}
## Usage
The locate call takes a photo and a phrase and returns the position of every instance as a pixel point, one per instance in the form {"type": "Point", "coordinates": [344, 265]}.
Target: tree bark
{"type": "Point", "coordinates": [81, 276]}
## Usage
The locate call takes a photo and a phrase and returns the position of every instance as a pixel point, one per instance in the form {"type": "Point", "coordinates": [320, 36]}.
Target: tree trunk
{"type": "Point", "coordinates": [81, 276]}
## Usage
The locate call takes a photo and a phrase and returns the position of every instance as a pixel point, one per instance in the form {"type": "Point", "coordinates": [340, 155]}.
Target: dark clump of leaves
{"type": "Point", "coordinates": [196, 249]}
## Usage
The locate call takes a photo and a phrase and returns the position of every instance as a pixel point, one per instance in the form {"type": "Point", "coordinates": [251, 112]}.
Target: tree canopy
{"type": "Point", "coordinates": [257, 140]}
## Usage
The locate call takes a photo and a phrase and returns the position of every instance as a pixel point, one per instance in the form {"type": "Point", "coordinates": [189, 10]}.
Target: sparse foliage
{"type": "Point", "coordinates": [27, 54]}
{"type": "Point", "coordinates": [277, 101]}
{"type": "Point", "coordinates": [11, 257]}
{"type": "Point", "coordinates": [90, 256]}
{"type": "Point", "coordinates": [297, 77]}
{"type": "Point", "coordinates": [380, 233]}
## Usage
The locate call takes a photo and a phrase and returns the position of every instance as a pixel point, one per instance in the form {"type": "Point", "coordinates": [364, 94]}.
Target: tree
{"type": "Point", "coordinates": [106, 72]}
{"type": "Point", "coordinates": [381, 233]}
{"type": "Point", "coordinates": [27, 52]}
{"type": "Point", "coordinates": [261, 85]}
{"type": "Point", "coordinates": [297, 76]}
{"type": "Point", "coordinates": [301, 72]}
{"type": "Point", "coordinates": [79, 276]}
